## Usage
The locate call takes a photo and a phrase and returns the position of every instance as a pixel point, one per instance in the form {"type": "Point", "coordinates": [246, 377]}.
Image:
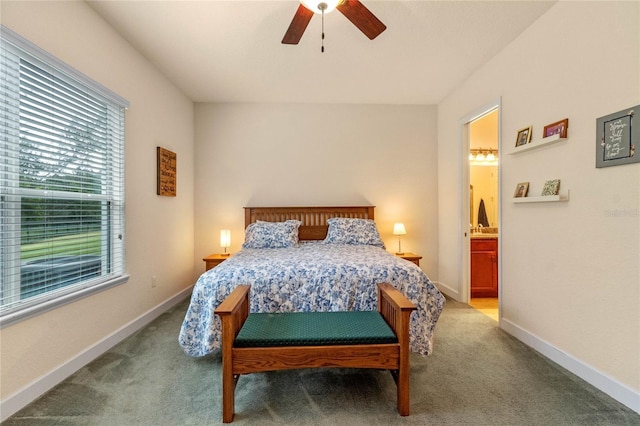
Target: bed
{"type": "Point", "coordinates": [309, 259]}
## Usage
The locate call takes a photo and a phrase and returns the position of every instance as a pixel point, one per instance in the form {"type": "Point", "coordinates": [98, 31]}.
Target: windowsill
{"type": "Point", "coordinates": [47, 305]}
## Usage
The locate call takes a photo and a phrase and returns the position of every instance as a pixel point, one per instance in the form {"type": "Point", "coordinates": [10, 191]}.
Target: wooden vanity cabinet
{"type": "Point", "coordinates": [484, 267]}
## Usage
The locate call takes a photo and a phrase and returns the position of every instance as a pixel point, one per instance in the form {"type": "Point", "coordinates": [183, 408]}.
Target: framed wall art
{"type": "Point", "coordinates": [617, 135]}
{"type": "Point", "coordinates": [557, 128]}
{"type": "Point", "coordinates": [551, 187]}
{"type": "Point", "coordinates": [524, 136]}
{"type": "Point", "coordinates": [167, 172]}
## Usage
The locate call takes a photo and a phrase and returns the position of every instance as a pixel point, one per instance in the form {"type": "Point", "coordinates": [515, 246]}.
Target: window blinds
{"type": "Point", "coordinates": [61, 182]}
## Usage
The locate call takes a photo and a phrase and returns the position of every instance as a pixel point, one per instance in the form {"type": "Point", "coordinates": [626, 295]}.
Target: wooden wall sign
{"type": "Point", "coordinates": [167, 172]}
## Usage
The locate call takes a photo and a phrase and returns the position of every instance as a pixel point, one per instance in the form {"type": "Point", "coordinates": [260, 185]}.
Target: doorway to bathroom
{"type": "Point", "coordinates": [484, 231]}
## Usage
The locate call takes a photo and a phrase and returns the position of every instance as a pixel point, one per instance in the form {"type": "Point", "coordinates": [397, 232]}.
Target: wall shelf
{"type": "Point", "coordinates": [537, 144]}
{"type": "Point", "coordinates": [543, 199]}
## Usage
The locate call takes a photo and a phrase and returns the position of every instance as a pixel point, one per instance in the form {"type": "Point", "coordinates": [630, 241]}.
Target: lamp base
{"type": "Point", "coordinates": [225, 254]}
{"type": "Point", "coordinates": [399, 254]}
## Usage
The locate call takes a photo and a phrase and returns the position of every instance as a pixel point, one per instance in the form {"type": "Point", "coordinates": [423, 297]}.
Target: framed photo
{"type": "Point", "coordinates": [524, 136]}
{"type": "Point", "coordinates": [551, 187]}
{"type": "Point", "coordinates": [557, 128]}
{"type": "Point", "coordinates": [617, 135]}
{"type": "Point", "coordinates": [521, 190]}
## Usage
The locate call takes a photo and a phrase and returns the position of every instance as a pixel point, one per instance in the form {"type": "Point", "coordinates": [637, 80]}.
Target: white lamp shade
{"type": "Point", "coordinates": [313, 5]}
{"type": "Point", "coordinates": [398, 229]}
{"type": "Point", "coordinates": [225, 238]}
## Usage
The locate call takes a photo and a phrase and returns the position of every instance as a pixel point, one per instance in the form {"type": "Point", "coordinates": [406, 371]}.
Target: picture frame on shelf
{"type": "Point", "coordinates": [557, 128]}
{"type": "Point", "coordinates": [617, 136]}
{"type": "Point", "coordinates": [521, 190]}
{"type": "Point", "coordinates": [524, 136]}
{"type": "Point", "coordinates": [551, 187]}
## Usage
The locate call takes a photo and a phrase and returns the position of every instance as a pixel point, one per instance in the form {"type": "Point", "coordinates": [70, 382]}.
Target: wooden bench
{"type": "Point", "coordinates": [266, 350]}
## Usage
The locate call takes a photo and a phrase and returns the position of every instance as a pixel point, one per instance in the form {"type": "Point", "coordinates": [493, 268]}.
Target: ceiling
{"type": "Point", "coordinates": [230, 51]}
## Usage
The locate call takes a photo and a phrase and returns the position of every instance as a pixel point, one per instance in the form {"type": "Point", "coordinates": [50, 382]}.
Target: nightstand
{"type": "Point", "coordinates": [411, 257]}
{"type": "Point", "coordinates": [214, 260]}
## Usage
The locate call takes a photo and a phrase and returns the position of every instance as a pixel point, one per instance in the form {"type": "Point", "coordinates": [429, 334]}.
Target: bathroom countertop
{"type": "Point", "coordinates": [483, 235]}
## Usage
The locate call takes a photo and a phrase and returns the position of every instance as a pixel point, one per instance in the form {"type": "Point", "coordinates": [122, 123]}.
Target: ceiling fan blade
{"type": "Point", "coordinates": [362, 18]}
{"type": "Point", "coordinates": [298, 25]}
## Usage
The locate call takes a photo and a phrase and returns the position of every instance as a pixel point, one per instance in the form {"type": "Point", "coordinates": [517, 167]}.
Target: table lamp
{"type": "Point", "coordinates": [225, 240]}
{"type": "Point", "coordinates": [398, 229]}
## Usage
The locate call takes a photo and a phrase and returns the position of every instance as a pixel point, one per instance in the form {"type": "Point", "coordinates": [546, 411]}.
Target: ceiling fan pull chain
{"type": "Point", "coordinates": [322, 47]}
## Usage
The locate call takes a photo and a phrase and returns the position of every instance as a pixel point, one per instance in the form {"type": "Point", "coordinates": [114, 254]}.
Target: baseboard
{"type": "Point", "coordinates": [448, 291]}
{"type": "Point", "coordinates": [618, 391]}
{"type": "Point", "coordinates": [31, 392]}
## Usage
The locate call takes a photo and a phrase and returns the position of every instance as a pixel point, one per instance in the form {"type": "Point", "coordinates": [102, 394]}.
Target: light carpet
{"type": "Point", "coordinates": [477, 375]}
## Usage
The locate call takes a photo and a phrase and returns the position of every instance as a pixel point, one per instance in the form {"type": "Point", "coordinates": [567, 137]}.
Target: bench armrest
{"type": "Point", "coordinates": [233, 312]}
{"type": "Point", "coordinates": [396, 309]}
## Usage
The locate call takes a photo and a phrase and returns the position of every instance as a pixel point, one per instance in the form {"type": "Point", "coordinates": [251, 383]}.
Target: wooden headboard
{"type": "Point", "coordinates": [314, 219]}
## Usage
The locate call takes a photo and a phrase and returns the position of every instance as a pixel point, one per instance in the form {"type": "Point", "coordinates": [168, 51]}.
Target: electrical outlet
{"type": "Point", "coordinates": [154, 281]}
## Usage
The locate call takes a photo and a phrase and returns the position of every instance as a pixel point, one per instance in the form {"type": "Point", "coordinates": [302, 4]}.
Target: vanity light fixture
{"type": "Point", "coordinates": [483, 157]}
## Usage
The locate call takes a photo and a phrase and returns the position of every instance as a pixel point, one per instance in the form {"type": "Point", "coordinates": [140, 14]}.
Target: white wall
{"type": "Point", "coordinates": [302, 154]}
{"type": "Point", "coordinates": [570, 274]}
{"type": "Point", "coordinates": [159, 231]}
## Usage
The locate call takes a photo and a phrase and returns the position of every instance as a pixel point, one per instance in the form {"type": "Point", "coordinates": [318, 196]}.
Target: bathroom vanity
{"type": "Point", "coordinates": [484, 265]}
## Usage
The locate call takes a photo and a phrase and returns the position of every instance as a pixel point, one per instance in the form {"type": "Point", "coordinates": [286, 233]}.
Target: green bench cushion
{"type": "Point", "coordinates": [314, 329]}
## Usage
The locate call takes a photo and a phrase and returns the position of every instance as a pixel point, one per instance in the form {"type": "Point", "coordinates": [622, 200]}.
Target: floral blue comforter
{"type": "Point", "coordinates": [309, 277]}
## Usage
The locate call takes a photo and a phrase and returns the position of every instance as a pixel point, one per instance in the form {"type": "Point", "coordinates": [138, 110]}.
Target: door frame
{"type": "Point", "coordinates": [465, 238]}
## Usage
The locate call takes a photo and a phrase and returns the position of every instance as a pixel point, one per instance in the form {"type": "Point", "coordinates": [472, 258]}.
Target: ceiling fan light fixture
{"type": "Point", "coordinates": [353, 10]}
{"type": "Point", "coordinates": [320, 6]}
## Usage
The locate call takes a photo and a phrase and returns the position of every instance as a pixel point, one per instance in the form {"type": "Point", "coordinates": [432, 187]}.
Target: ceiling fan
{"type": "Point", "coordinates": [355, 11]}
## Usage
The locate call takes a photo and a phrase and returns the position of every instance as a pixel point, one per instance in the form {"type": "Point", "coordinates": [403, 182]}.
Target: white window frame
{"type": "Point", "coordinates": [12, 309]}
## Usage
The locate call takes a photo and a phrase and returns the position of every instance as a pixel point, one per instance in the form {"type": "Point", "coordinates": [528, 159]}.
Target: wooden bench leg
{"type": "Point", "coordinates": [404, 368]}
{"type": "Point", "coordinates": [233, 311]}
{"type": "Point", "coordinates": [396, 310]}
{"type": "Point", "coordinates": [403, 391]}
{"type": "Point", "coordinates": [229, 381]}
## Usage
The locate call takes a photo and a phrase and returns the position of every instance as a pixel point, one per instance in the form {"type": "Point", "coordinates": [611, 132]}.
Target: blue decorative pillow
{"type": "Point", "coordinates": [353, 231]}
{"type": "Point", "coordinates": [271, 234]}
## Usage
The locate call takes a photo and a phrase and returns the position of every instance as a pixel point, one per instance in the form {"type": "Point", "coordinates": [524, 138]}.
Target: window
{"type": "Point", "coordinates": [61, 182]}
